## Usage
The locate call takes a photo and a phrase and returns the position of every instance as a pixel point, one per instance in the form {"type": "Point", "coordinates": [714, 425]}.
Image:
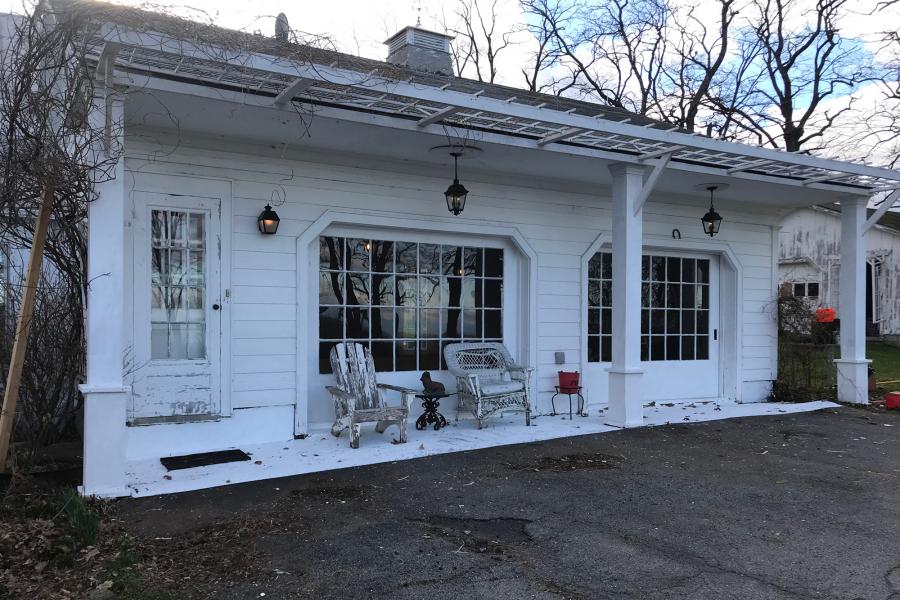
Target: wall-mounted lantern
{"type": "Point", "coordinates": [268, 221]}
{"type": "Point", "coordinates": [711, 220]}
{"type": "Point", "coordinates": [457, 192]}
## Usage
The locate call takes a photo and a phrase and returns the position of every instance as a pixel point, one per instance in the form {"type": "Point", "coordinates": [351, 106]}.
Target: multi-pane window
{"type": "Point", "coordinates": [177, 285]}
{"type": "Point", "coordinates": [600, 307]}
{"type": "Point", "coordinates": [674, 308]}
{"type": "Point", "coordinates": [407, 300]}
{"type": "Point", "coordinates": [805, 289]}
{"type": "Point", "coordinates": [675, 299]}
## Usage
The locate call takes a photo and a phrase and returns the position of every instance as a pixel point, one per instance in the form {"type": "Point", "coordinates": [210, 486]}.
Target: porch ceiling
{"type": "Point", "coordinates": [352, 138]}
{"type": "Point", "coordinates": [422, 102]}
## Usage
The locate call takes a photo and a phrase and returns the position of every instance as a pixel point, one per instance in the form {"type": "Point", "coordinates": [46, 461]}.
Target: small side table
{"type": "Point", "coordinates": [431, 403]}
{"type": "Point", "coordinates": [569, 391]}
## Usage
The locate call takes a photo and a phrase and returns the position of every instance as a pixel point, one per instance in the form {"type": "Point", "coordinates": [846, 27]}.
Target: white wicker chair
{"type": "Point", "coordinates": [488, 380]}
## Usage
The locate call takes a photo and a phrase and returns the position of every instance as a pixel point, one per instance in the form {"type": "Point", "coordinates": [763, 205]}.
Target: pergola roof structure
{"type": "Point", "coordinates": [157, 46]}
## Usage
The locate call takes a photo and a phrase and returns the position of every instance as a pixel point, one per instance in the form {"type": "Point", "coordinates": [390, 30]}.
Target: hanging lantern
{"type": "Point", "coordinates": [457, 192]}
{"type": "Point", "coordinates": [268, 221]}
{"type": "Point", "coordinates": [711, 220]}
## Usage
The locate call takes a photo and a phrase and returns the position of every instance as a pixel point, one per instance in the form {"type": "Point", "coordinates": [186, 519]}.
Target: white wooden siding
{"type": "Point", "coordinates": [559, 225]}
{"type": "Point", "coordinates": [814, 236]}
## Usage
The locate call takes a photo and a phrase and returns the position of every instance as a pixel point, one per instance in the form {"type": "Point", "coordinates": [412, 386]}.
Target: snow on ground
{"type": "Point", "coordinates": [321, 451]}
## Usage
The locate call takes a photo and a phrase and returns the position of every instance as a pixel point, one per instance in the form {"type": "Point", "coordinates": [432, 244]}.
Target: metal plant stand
{"type": "Point", "coordinates": [431, 403]}
{"type": "Point", "coordinates": [568, 391]}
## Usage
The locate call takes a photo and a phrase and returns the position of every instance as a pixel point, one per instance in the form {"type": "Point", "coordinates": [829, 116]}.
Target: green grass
{"type": "Point", "coordinates": [886, 362]}
{"type": "Point", "coordinates": [83, 520]}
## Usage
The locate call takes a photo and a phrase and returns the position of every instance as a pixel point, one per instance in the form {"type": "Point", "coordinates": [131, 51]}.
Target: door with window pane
{"type": "Point", "coordinates": [679, 325]}
{"type": "Point", "coordinates": [177, 308]}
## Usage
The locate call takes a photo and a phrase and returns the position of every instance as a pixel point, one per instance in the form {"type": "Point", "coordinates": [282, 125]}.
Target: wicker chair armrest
{"type": "Point", "coordinates": [470, 383]}
{"type": "Point", "coordinates": [520, 372]}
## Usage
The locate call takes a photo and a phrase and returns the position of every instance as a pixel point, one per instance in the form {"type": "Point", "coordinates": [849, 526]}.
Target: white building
{"type": "Point", "coordinates": [581, 236]}
{"type": "Point", "coordinates": [810, 260]}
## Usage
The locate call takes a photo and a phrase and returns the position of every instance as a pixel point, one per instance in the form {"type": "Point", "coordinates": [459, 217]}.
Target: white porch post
{"type": "Point", "coordinates": [105, 392]}
{"type": "Point", "coordinates": [852, 366]}
{"type": "Point", "coordinates": [625, 407]}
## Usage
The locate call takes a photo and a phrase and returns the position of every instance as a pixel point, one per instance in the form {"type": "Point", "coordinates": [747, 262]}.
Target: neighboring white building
{"type": "Point", "coordinates": [810, 258]}
{"type": "Point", "coordinates": [581, 236]}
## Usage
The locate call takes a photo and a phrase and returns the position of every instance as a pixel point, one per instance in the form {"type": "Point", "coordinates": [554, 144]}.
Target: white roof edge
{"type": "Point", "coordinates": [371, 82]}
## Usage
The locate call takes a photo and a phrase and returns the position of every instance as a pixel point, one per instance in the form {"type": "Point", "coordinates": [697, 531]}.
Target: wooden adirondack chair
{"type": "Point", "coordinates": [359, 398]}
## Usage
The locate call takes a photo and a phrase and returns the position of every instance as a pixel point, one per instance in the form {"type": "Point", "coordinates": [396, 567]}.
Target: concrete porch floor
{"type": "Point", "coordinates": [321, 451]}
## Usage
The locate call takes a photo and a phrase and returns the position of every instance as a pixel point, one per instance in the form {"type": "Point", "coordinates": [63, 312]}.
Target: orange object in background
{"type": "Point", "coordinates": [825, 315]}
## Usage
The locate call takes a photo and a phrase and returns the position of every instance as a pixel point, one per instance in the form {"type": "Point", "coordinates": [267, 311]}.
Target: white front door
{"type": "Point", "coordinates": [679, 327]}
{"type": "Point", "coordinates": [177, 307]}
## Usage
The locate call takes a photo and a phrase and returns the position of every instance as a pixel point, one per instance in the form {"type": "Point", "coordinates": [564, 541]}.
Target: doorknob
{"type": "Point", "coordinates": [215, 307]}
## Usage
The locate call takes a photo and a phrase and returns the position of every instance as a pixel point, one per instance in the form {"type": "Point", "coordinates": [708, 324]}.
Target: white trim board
{"type": "Point", "coordinates": [729, 354]}
{"type": "Point", "coordinates": [308, 261]}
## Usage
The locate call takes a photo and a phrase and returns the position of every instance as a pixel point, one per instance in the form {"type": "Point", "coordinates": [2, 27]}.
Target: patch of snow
{"type": "Point", "coordinates": [320, 451]}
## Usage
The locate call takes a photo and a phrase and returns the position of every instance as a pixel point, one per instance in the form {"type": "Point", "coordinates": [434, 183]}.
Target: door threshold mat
{"type": "Point", "coordinates": [203, 459]}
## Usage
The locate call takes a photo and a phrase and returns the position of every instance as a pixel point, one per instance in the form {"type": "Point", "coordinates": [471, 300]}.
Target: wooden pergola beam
{"type": "Point", "coordinates": [560, 136]}
{"type": "Point", "coordinates": [651, 181]}
{"type": "Point", "coordinates": [298, 86]}
{"type": "Point", "coordinates": [437, 116]}
{"type": "Point", "coordinates": [26, 310]}
{"type": "Point", "coordinates": [885, 206]}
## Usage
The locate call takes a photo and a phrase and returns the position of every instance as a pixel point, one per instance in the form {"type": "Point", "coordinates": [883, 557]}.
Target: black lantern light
{"type": "Point", "coordinates": [457, 192]}
{"type": "Point", "coordinates": [711, 220]}
{"type": "Point", "coordinates": [268, 221]}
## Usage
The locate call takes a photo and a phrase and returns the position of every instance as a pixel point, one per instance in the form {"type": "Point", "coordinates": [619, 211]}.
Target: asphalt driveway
{"type": "Point", "coordinates": [794, 506]}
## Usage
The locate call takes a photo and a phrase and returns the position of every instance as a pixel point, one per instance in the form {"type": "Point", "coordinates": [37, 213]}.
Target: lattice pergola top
{"type": "Point", "coordinates": [160, 46]}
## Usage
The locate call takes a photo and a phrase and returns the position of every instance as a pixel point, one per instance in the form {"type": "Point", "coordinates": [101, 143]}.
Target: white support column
{"type": "Point", "coordinates": [625, 407]}
{"type": "Point", "coordinates": [105, 392]}
{"type": "Point", "coordinates": [852, 366]}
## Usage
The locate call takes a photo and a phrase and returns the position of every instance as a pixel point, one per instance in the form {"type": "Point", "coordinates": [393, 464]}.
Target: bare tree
{"type": "Point", "coordinates": [647, 57]}
{"type": "Point", "coordinates": [880, 128]}
{"type": "Point", "coordinates": [46, 95]}
{"type": "Point", "coordinates": [698, 71]}
{"type": "Point", "coordinates": [801, 66]}
{"type": "Point", "coordinates": [479, 38]}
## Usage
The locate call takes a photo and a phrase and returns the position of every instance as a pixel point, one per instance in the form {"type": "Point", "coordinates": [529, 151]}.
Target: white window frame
{"type": "Point", "coordinates": [649, 254]}
{"type": "Point", "coordinates": [806, 283]}
{"type": "Point", "coordinates": [520, 285]}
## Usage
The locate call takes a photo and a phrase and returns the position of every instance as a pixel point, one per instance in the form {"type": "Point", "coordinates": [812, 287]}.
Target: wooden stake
{"type": "Point", "coordinates": [20, 343]}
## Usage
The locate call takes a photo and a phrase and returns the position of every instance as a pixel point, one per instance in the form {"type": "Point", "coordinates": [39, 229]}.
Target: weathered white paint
{"type": "Point", "coordinates": [105, 391]}
{"type": "Point", "coordinates": [852, 367]}
{"type": "Point", "coordinates": [810, 251]}
{"type": "Point", "coordinates": [166, 388]}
